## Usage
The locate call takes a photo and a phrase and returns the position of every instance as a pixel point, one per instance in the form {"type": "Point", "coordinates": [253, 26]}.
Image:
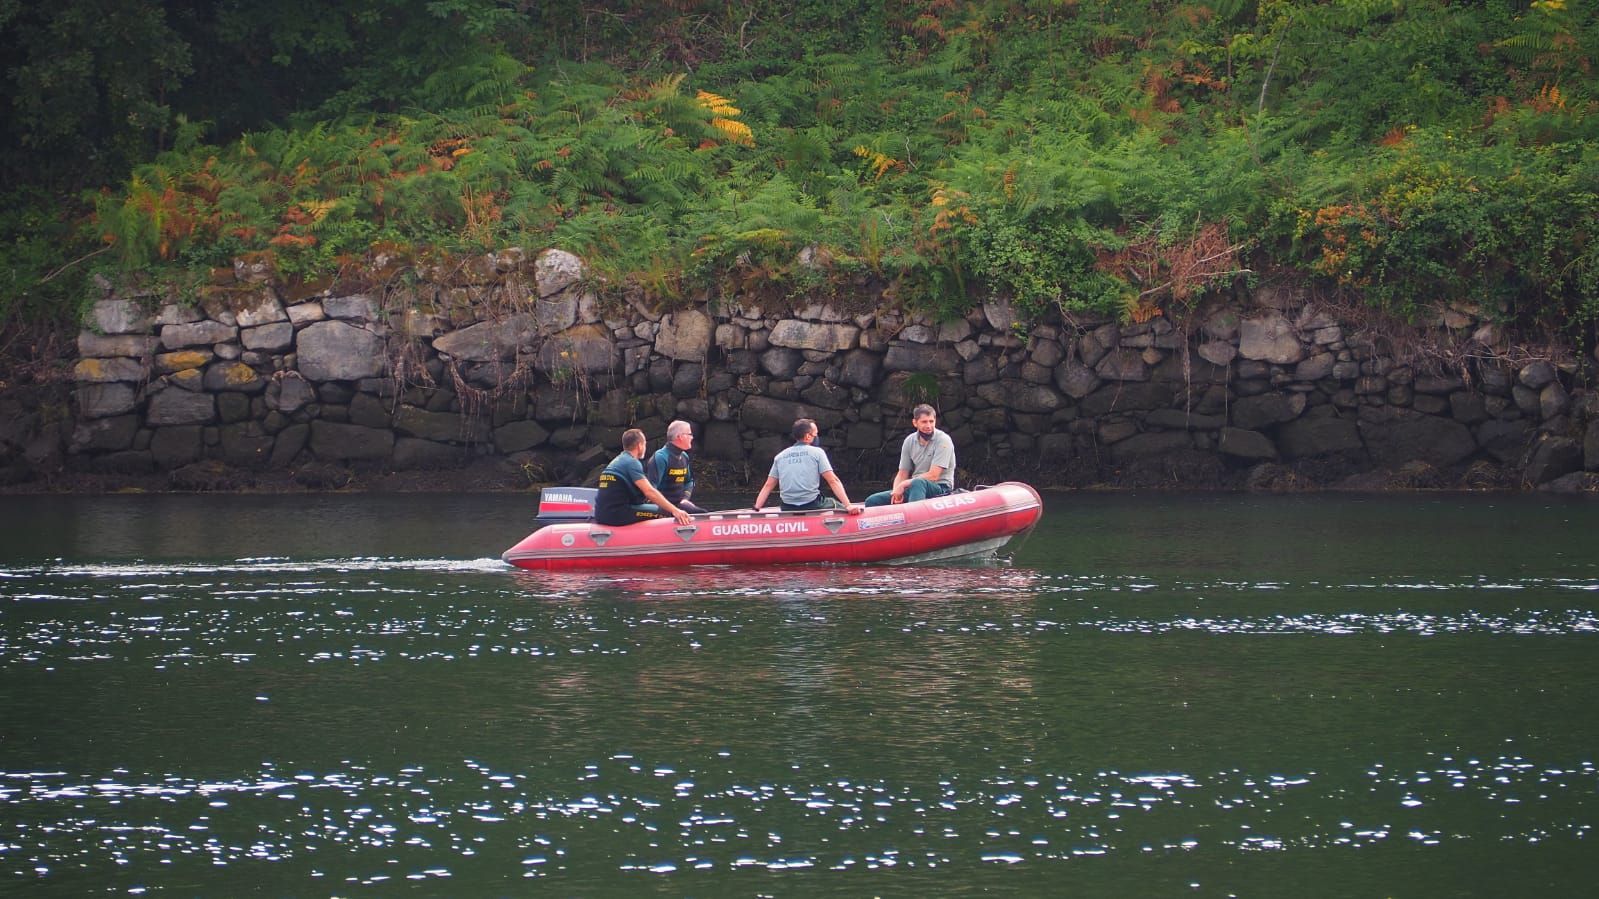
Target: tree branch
{"type": "Point", "coordinates": [1261, 105]}
{"type": "Point", "coordinates": [83, 258]}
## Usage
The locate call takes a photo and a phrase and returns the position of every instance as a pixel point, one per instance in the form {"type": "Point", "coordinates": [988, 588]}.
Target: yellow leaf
{"type": "Point", "coordinates": [718, 105]}
{"type": "Point", "coordinates": [318, 209]}
{"type": "Point", "coordinates": [737, 132]}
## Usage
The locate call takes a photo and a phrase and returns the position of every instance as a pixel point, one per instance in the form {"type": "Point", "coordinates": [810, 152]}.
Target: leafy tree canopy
{"type": "Point", "coordinates": [1117, 156]}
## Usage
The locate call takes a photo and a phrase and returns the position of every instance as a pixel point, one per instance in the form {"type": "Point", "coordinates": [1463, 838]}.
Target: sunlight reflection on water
{"type": "Point", "coordinates": [1100, 715]}
{"type": "Point", "coordinates": [210, 608]}
{"type": "Point", "coordinates": [659, 817]}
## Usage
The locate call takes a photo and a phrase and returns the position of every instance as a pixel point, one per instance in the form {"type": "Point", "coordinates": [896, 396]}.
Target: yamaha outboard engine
{"type": "Point", "coordinates": [557, 504]}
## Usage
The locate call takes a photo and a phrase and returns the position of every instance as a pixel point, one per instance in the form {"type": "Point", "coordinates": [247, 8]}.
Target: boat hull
{"type": "Point", "coordinates": [953, 526]}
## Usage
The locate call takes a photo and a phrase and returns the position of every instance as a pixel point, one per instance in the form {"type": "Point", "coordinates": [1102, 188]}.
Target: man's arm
{"type": "Point", "coordinates": [902, 479]}
{"type": "Point", "coordinates": [943, 457]}
{"type": "Point", "coordinates": [838, 491]}
{"type": "Point", "coordinates": [907, 464]}
{"type": "Point", "coordinates": [766, 490]}
{"type": "Point", "coordinates": [655, 469]}
{"type": "Point", "coordinates": [654, 496]}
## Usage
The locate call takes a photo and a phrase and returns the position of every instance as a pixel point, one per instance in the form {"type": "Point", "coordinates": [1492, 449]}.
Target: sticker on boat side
{"type": "Point", "coordinates": [568, 539]}
{"type": "Point", "coordinates": [884, 521]}
{"type": "Point", "coordinates": [757, 528]}
{"type": "Point", "coordinates": [951, 501]}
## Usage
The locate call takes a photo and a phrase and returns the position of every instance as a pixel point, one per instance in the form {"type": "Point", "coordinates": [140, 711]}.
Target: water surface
{"type": "Point", "coordinates": [1219, 695]}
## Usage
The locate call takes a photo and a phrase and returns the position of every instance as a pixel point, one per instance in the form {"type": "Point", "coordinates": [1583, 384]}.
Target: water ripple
{"type": "Point", "coordinates": [355, 611]}
{"type": "Point", "coordinates": [425, 822]}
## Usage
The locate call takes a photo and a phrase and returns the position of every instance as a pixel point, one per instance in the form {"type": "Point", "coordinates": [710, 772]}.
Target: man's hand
{"type": "Point", "coordinates": [682, 517]}
{"type": "Point", "coordinates": [855, 509]}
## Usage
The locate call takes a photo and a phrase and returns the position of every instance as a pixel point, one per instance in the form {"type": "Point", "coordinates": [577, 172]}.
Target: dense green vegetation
{"type": "Point", "coordinates": [1118, 156]}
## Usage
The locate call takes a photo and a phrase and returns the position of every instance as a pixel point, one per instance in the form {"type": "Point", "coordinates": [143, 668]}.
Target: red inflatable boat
{"type": "Point", "coordinates": [968, 523]}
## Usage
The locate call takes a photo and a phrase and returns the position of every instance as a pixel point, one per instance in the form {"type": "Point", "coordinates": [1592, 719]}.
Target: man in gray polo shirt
{"type": "Point", "coordinates": [926, 462]}
{"type": "Point", "coordinates": [799, 472]}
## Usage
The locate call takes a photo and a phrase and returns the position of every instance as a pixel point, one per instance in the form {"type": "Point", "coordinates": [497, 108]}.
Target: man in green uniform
{"type": "Point", "coordinates": [626, 496]}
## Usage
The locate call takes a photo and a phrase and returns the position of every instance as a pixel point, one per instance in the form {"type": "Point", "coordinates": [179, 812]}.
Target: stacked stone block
{"type": "Point", "coordinates": [522, 359]}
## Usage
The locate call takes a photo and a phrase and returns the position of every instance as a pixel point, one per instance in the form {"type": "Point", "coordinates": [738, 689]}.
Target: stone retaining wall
{"type": "Point", "coordinates": [520, 360]}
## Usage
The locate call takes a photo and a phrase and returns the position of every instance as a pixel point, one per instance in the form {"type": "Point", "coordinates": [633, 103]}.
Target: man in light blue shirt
{"type": "Point", "coordinates": [799, 472]}
{"type": "Point", "coordinates": [926, 462]}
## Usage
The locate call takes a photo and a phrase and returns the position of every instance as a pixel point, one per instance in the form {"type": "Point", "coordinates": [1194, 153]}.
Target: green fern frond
{"type": "Point", "coordinates": [1527, 46]}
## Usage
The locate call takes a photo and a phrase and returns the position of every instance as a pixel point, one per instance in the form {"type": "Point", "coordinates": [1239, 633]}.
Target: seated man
{"type": "Point", "coordinates": [626, 496]}
{"type": "Point", "coordinates": [669, 468]}
{"type": "Point", "coordinates": [800, 471]}
{"type": "Point", "coordinates": [926, 462]}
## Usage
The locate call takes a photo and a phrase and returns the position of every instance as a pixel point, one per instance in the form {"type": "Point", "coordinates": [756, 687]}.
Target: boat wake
{"type": "Point", "coordinates": [249, 566]}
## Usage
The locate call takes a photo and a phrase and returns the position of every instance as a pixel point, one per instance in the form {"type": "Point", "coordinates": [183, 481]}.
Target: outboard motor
{"type": "Point", "coordinates": [557, 504]}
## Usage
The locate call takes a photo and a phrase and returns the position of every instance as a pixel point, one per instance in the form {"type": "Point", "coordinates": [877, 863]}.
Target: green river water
{"type": "Point", "coordinates": [1154, 695]}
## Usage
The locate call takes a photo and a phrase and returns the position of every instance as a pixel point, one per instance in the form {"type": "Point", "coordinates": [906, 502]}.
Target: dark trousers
{"type": "Point", "coordinates": [820, 502]}
{"type": "Point", "coordinates": [629, 515]}
{"type": "Point", "coordinates": [919, 488]}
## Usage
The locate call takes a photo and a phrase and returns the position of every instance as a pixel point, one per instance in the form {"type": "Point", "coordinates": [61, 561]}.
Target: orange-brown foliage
{"type": "Point", "coordinates": [1177, 271]}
